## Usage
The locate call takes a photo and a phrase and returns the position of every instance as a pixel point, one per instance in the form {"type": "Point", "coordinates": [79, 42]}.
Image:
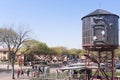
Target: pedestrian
{"type": "Point", "coordinates": [40, 70]}
{"type": "Point", "coordinates": [22, 73]}
{"type": "Point", "coordinates": [18, 73]}
{"type": "Point", "coordinates": [28, 72]}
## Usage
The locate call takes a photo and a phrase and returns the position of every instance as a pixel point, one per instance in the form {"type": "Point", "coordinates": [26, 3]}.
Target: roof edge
{"type": "Point", "coordinates": [99, 12]}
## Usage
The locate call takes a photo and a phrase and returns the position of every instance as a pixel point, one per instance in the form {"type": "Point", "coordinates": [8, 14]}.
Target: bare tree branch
{"type": "Point", "coordinates": [13, 41]}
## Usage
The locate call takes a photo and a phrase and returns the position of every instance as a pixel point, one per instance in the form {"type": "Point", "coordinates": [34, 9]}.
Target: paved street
{"type": "Point", "coordinates": [6, 74]}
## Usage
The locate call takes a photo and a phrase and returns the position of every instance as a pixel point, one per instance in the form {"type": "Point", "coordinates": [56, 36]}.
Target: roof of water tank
{"type": "Point", "coordinates": [99, 12]}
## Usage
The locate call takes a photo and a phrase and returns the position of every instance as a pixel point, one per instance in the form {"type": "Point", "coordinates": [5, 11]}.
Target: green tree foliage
{"type": "Point", "coordinates": [72, 51]}
{"type": "Point", "coordinates": [75, 51]}
{"type": "Point", "coordinates": [82, 52]}
{"type": "Point", "coordinates": [117, 52]}
{"type": "Point", "coordinates": [64, 50]}
{"type": "Point", "coordinates": [52, 51]}
{"type": "Point", "coordinates": [60, 50]}
{"type": "Point", "coordinates": [33, 47]}
{"type": "Point", "coordinates": [36, 47]}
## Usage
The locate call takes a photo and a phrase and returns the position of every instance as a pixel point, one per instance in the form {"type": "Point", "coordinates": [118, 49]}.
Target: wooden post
{"type": "Point", "coordinates": [112, 65]}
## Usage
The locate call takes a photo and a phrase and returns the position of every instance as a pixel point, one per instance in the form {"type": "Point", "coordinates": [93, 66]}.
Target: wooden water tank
{"type": "Point", "coordinates": [100, 29]}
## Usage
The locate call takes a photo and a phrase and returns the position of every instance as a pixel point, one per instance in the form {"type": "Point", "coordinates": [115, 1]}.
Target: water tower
{"type": "Point", "coordinates": [100, 39]}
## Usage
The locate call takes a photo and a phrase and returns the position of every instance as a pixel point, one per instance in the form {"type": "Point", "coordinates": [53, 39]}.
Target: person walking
{"type": "Point", "coordinates": [22, 73]}
{"type": "Point", "coordinates": [28, 72]}
{"type": "Point", "coordinates": [40, 70]}
{"type": "Point", "coordinates": [18, 73]}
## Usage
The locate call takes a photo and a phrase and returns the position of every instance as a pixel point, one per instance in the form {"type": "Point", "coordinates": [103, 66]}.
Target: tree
{"type": "Point", "coordinates": [82, 52]}
{"type": "Point", "coordinates": [12, 40]}
{"type": "Point", "coordinates": [75, 51]}
{"type": "Point", "coordinates": [60, 50]}
{"type": "Point", "coordinates": [117, 52]}
{"type": "Point", "coordinates": [35, 48]}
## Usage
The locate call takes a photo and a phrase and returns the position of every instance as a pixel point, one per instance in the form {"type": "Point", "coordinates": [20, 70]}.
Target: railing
{"type": "Point", "coordinates": [51, 76]}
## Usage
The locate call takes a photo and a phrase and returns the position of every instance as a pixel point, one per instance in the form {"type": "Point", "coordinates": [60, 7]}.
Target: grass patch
{"type": "Point", "coordinates": [109, 73]}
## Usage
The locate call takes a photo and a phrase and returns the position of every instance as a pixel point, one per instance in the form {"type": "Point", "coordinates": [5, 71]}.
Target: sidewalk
{"type": "Point", "coordinates": [9, 78]}
{"type": "Point", "coordinates": [7, 75]}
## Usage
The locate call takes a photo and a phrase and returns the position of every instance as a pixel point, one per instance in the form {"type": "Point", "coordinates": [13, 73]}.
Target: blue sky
{"type": "Point", "coordinates": [55, 22]}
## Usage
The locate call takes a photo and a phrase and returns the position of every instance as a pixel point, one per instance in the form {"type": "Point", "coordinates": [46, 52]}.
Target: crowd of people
{"type": "Point", "coordinates": [21, 72]}
{"type": "Point", "coordinates": [56, 58]}
{"type": "Point", "coordinates": [35, 71]}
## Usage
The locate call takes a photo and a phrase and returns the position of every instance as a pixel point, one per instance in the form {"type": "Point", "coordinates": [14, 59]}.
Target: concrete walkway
{"type": "Point", "coordinates": [5, 74]}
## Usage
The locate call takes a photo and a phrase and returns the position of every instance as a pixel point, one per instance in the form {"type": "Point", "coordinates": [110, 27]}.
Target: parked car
{"type": "Point", "coordinates": [117, 64]}
{"type": "Point", "coordinates": [102, 65]}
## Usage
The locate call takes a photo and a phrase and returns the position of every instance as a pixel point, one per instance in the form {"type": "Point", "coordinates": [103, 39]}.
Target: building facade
{"type": "Point", "coordinates": [4, 54]}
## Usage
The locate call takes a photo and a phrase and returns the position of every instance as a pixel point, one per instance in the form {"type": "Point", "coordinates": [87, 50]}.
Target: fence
{"type": "Point", "coordinates": [51, 76]}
